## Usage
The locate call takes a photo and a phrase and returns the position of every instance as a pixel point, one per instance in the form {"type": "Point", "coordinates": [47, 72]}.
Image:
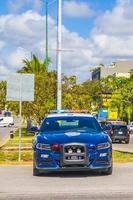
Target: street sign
{"type": "Point", "coordinates": [20, 87]}
{"type": "Point", "coordinates": [102, 115]}
{"type": "Point", "coordinates": [113, 115]}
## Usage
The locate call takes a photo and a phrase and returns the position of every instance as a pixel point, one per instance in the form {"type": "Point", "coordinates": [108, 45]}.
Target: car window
{"type": "Point", "coordinates": [119, 127]}
{"type": "Point", "coordinates": [7, 114]}
{"type": "Point", "coordinates": [70, 123]}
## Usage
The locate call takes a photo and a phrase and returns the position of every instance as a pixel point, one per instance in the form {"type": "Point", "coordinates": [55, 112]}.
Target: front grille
{"type": "Point", "coordinates": [74, 149]}
{"type": "Point", "coordinates": [74, 154]}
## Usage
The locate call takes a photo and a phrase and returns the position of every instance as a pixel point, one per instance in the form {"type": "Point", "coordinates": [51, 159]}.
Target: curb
{"type": "Point", "coordinates": [15, 149]}
{"type": "Point", "coordinates": [122, 150]}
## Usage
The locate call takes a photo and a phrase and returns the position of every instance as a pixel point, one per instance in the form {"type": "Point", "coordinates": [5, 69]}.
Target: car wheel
{"type": "Point", "coordinates": [113, 141]}
{"type": "Point", "coordinates": [127, 141]}
{"type": "Point", "coordinates": [108, 171]}
{"type": "Point", "coordinates": [35, 170]}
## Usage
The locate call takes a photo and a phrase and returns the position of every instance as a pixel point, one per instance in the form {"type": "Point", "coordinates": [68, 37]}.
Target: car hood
{"type": "Point", "coordinates": [73, 137]}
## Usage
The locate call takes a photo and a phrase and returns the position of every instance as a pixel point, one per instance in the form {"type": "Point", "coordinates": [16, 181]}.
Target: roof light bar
{"type": "Point", "coordinates": [68, 111]}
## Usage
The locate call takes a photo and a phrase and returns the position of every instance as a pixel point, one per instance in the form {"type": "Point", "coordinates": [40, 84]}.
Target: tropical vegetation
{"type": "Point", "coordinates": [87, 95]}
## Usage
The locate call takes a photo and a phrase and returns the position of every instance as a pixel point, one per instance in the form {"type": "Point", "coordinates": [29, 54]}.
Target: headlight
{"type": "Point", "coordinates": [103, 145]}
{"type": "Point", "coordinates": [43, 146]}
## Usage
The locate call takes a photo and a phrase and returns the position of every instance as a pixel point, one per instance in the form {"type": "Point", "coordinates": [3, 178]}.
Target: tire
{"type": "Point", "coordinates": [35, 170]}
{"type": "Point", "coordinates": [127, 141]}
{"type": "Point", "coordinates": [108, 171]}
{"type": "Point", "coordinates": [113, 141]}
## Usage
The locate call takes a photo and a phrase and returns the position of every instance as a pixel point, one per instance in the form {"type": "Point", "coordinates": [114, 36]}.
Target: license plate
{"type": "Point", "coordinates": [120, 132]}
{"type": "Point", "coordinates": [74, 158]}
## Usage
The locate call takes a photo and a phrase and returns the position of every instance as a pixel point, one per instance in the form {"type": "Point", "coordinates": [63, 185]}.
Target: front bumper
{"type": "Point", "coordinates": [119, 137]}
{"type": "Point", "coordinates": [95, 160]}
{"type": "Point", "coordinates": [73, 169]}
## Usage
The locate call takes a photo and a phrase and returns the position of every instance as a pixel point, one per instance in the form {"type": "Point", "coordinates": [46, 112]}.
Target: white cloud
{"type": "Point", "coordinates": [25, 32]}
{"type": "Point", "coordinates": [2, 44]}
{"type": "Point", "coordinates": [3, 70]}
{"type": "Point", "coordinates": [77, 9]}
{"type": "Point", "coordinates": [112, 35]}
{"type": "Point", "coordinates": [24, 27]}
{"type": "Point", "coordinates": [118, 21]}
{"type": "Point", "coordinates": [111, 39]}
{"type": "Point", "coordinates": [15, 59]}
{"type": "Point", "coordinates": [16, 6]}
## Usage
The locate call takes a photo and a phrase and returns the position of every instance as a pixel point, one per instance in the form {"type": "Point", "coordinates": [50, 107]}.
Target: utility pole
{"type": "Point", "coordinates": [46, 32]}
{"type": "Point", "coordinates": [59, 37]}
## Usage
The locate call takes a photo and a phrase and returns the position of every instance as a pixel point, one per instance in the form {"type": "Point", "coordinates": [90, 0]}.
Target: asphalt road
{"type": "Point", "coordinates": [124, 147]}
{"type": "Point", "coordinates": [17, 183]}
{"type": "Point", "coordinates": [5, 132]}
{"type": "Point", "coordinates": [4, 135]}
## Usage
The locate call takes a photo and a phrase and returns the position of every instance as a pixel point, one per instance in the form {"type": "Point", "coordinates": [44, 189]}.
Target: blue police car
{"type": "Point", "coordinates": [71, 142]}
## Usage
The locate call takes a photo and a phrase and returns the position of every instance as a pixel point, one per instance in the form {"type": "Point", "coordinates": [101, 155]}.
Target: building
{"type": "Point", "coordinates": [96, 73]}
{"type": "Point", "coordinates": [118, 69]}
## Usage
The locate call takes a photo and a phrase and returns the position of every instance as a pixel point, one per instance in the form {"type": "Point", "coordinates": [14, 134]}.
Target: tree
{"type": "Point", "coordinates": [131, 73]}
{"type": "Point", "coordinates": [34, 66]}
{"type": "Point", "coordinates": [86, 95]}
{"type": "Point", "coordinates": [2, 94]}
{"type": "Point", "coordinates": [81, 96]}
{"type": "Point", "coordinates": [45, 89]}
{"type": "Point", "coordinates": [122, 95]}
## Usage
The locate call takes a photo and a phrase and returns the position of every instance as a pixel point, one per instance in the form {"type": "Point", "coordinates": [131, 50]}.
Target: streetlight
{"type": "Point", "coordinates": [46, 29]}
{"type": "Point", "coordinates": [59, 38]}
{"type": "Point", "coordinates": [46, 35]}
{"type": "Point", "coordinates": [59, 53]}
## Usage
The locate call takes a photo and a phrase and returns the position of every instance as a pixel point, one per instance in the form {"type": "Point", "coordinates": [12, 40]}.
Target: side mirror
{"type": "Point", "coordinates": [106, 128]}
{"type": "Point", "coordinates": [33, 129]}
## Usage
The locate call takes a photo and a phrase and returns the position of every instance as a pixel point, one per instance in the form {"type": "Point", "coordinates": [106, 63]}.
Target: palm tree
{"type": "Point", "coordinates": [34, 66]}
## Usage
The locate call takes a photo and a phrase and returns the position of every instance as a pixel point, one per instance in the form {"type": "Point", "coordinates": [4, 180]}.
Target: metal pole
{"type": "Point", "coordinates": [20, 118]}
{"type": "Point", "coordinates": [46, 28]}
{"type": "Point", "coordinates": [20, 115]}
{"type": "Point", "coordinates": [59, 36]}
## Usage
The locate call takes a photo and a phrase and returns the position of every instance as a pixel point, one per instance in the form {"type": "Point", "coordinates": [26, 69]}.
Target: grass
{"type": "Point", "coordinates": [11, 157]}
{"type": "Point", "coordinates": [122, 157]}
{"type": "Point", "coordinates": [26, 139]}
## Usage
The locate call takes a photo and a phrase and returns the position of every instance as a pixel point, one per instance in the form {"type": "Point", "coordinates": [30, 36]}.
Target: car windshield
{"type": "Point", "coordinates": [70, 123]}
{"type": "Point", "coordinates": [119, 126]}
{"type": "Point", "coordinates": [7, 114]}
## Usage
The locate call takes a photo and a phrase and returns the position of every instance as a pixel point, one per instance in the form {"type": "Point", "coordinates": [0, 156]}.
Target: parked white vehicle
{"type": "Point", "coordinates": [6, 120]}
{"type": "Point", "coordinates": [130, 127]}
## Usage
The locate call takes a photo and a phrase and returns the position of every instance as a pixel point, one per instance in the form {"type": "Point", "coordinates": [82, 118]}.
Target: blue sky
{"type": "Point", "coordinates": [97, 31]}
{"type": "Point", "coordinates": [74, 24]}
{"type": "Point", "coordinates": [84, 25]}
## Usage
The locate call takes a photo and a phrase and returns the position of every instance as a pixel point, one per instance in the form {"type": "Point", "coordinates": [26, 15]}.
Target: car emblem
{"type": "Point", "coordinates": [70, 134]}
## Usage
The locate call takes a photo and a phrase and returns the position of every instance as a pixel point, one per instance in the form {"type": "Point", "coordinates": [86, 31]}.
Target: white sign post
{"type": "Point", "coordinates": [20, 87]}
